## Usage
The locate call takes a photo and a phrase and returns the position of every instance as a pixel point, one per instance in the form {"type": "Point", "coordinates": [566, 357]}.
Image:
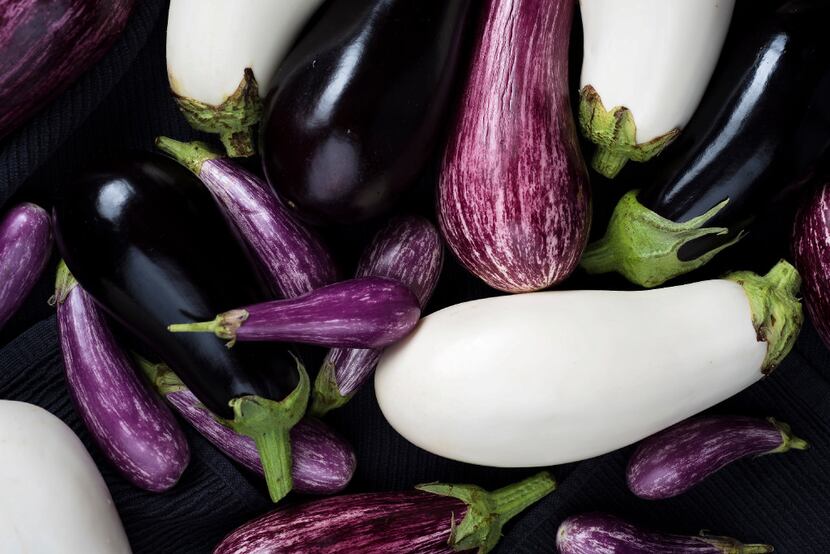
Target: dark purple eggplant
{"type": "Point", "coordinates": [673, 461]}
{"type": "Point", "coordinates": [592, 533]}
{"type": "Point", "coordinates": [25, 246]}
{"type": "Point", "coordinates": [367, 312]}
{"type": "Point", "coordinates": [757, 138]}
{"type": "Point", "coordinates": [46, 46]}
{"type": "Point", "coordinates": [357, 108]}
{"type": "Point", "coordinates": [435, 519]}
{"type": "Point", "coordinates": [146, 240]}
{"type": "Point", "coordinates": [293, 259]}
{"type": "Point", "coordinates": [128, 421]}
{"type": "Point", "coordinates": [408, 249]}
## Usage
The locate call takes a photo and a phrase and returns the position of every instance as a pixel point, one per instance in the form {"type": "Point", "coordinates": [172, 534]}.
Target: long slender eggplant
{"type": "Point", "coordinates": [130, 423]}
{"type": "Point", "coordinates": [408, 249]}
{"type": "Point", "coordinates": [292, 258]}
{"type": "Point", "coordinates": [592, 533]}
{"type": "Point", "coordinates": [811, 250]}
{"type": "Point", "coordinates": [322, 462]}
{"type": "Point", "coordinates": [758, 136]}
{"type": "Point", "coordinates": [25, 246]}
{"type": "Point", "coordinates": [514, 201]}
{"type": "Point", "coordinates": [673, 461]}
{"type": "Point", "coordinates": [355, 111]}
{"type": "Point", "coordinates": [367, 312]}
{"type": "Point", "coordinates": [145, 239]}
{"type": "Point", "coordinates": [435, 519]}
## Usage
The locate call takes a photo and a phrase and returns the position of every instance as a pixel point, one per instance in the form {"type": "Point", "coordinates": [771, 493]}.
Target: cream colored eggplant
{"type": "Point", "coordinates": [646, 66]}
{"type": "Point", "coordinates": [555, 377]}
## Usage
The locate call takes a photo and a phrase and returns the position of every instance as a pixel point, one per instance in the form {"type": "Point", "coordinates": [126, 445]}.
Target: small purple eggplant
{"type": "Point", "coordinates": [409, 249]}
{"type": "Point", "coordinates": [593, 533]}
{"type": "Point", "coordinates": [25, 246]}
{"type": "Point", "coordinates": [322, 461]}
{"type": "Point", "coordinates": [673, 461]}
{"type": "Point", "coordinates": [128, 421]}
{"type": "Point", "coordinates": [811, 251]}
{"type": "Point", "coordinates": [292, 258]}
{"type": "Point", "coordinates": [368, 312]}
{"type": "Point", "coordinates": [435, 519]}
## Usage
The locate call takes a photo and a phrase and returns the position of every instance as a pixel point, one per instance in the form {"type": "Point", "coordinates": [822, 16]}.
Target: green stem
{"type": "Point", "coordinates": [511, 500]}
{"type": "Point", "coordinates": [326, 394]}
{"type": "Point", "coordinates": [788, 440]}
{"type": "Point", "coordinates": [200, 327]}
{"type": "Point", "coordinates": [728, 545]}
{"type": "Point", "coordinates": [160, 376]}
{"type": "Point", "coordinates": [224, 326]}
{"type": "Point", "coordinates": [192, 155]}
{"type": "Point", "coordinates": [238, 144]}
{"type": "Point", "coordinates": [274, 447]}
{"type": "Point", "coordinates": [608, 161]}
{"type": "Point", "coordinates": [64, 283]}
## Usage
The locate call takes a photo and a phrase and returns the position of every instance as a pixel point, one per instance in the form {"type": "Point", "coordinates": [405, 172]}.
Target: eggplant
{"type": "Point", "coordinates": [592, 533]}
{"type": "Point", "coordinates": [322, 461]}
{"type": "Point", "coordinates": [356, 109]}
{"type": "Point", "coordinates": [293, 259]}
{"type": "Point", "coordinates": [144, 238]}
{"type": "Point", "coordinates": [46, 46]}
{"type": "Point", "coordinates": [129, 422]}
{"type": "Point", "coordinates": [757, 138]}
{"type": "Point", "coordinates": [408, 249]}
{"type": "Point", "coordinates": [673, 461]}
{"type": "Point", "coordinates": [368, 312]}
{"type": "Point", "coordinates": [514, 201]}
{"type": "Point", "coordinates": [25, 247]}
{"type": "Point", "coordinates": [434, 519]}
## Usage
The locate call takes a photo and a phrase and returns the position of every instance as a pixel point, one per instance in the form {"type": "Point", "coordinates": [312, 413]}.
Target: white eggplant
{"type": "Point", "coordinates": [555, 377]}
{"type": "Point", "coordinates": [53, 499]}
{"type": "Point", "coordinates": [221, 54]}
{"type": "Point", "coordinates": [646, 66]}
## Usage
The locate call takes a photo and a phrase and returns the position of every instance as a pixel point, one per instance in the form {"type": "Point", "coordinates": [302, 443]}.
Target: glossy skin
{"type": "Point", "coordinates": [811, 252]}
{"type": "Point", "coordinates": [143, 236]}
{"type": "Point", "coordinates": [357, 108]}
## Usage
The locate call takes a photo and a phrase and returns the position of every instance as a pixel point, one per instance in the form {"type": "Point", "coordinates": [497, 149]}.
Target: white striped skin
{"type": "Point", "coordinates": [811, 250]}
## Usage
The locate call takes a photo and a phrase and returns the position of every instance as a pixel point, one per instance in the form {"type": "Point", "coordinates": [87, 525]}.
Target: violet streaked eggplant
{"type": "Point", "coordinates": [435, 519]}
{"type": "Point", "coordinates": [514, 201]}
{"type": "Point", "coordinates": [673, 461]}
{"type": "Point", "coordinates": [292, 258]}
{"type": "Point", "coordinates": [408, 249]}
{"type": "Point", "coordinates": [128, 421]}
{"type": "Point", "coordinates": [322, 461]}
{"type": "Point", "coordinates": [592, 533]}
{"type": "Point", "coordinates": [25, 246]}
{"type": "Point", "coordinates": [367, 312]}
{"type": "Point", "coordinates": [811, 251]}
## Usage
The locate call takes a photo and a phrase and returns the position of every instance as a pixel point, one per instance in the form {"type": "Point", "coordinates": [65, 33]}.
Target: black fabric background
{"type": "Point", "coordinates": [124, 102]}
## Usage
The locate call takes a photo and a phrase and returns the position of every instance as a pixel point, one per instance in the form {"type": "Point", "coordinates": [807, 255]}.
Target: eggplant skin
{"type": "Point", "coordinates": [811, 252]}
{"type": "Point", "coordinates": [46, 46]}
{"type": "Point", "coordinates": [356, 110]}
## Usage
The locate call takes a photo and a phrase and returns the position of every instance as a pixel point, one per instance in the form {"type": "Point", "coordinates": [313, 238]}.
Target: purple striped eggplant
{"type": "Point", "coordinates": [409, 250]}
{"type": "Point", "coordinates": [673, 461]}
{"type": "Point", "coordinates": [811, 252]}
{"type": "Point", "coordinates": [293, 259]}
{"type": "Point", "coordinates": [435, 519]}
{"type": "Point", "coordinates": [25, 246]}
{"type": "Point", "coordinates": [128, 421]}
{"type": "Point", "coordinates": [593, 533]}
{"type": "Point", "coordinates": [46, 46]}
{"type": "Point", "coordinates": [322, 461]}
{"type": "Point", "coordinates": [368, 312]}
{"type": "Point", "coordinates": [514, 199]}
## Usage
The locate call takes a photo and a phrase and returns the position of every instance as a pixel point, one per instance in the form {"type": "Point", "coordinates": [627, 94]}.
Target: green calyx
{"type": "Point", "coordinates": [643, 246]}
{"type": "Point", "coordinates": [224, 326]}
{"type": "Point", "coordinates": [788, 440]}
{"type": "Point", "coordinates": [615, 134]}
{"type": "Point", "coordinates": [64, 283]}
{"type": "Point", "coordinates": [233, 119]}
{"type": "Point", "coordinates": [776, 311]}
{"type": "Point", "coordinates": [326, 394]}
{"type": "Point", "coordinates": [488, 511]}
{"type": "Point", "coordinates": [160, 376]}
{"type": "Point", "coordinates": [728, 545]}
{"type": "Point", "coordinates": [192, 155]}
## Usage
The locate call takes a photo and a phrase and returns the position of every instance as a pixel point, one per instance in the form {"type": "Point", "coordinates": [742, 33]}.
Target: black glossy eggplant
{"type": "Point", "coordinates": [144, 238]}
{"type": "Point", "coordinates": [357, 108]}
{"type": "Point", "coordinates": [759, 135]}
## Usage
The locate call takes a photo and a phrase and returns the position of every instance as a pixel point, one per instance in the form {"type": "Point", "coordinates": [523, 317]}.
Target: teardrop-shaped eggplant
{"type": "Point", "coordinates": [354, 112]}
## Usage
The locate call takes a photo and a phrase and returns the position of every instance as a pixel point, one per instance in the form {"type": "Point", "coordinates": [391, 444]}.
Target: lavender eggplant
{"type": "Point", "coordinates": [25, 246]}
{"type": "Point", "coordinates": [811, 251]}
{"type": "Point", "coordinates": [514, 201]}
{"type": "Point", "coordinates": [409, 250]}
{"type": "Point", "coordinates": [673, 461]}
{"type": "Point", "coordinates": [46, 46]}
{"type": "Point", "coordinates": [368, 312]}
{"type": "Point", "coordinates": [322, 462]}
{"type": "Point", "coordinates": [128, 421]}
{"type": "Point", "coordinates": [592, 533]}
{"type": "Point", "coordinates": [293, 259]}
{"type": "Point", "coordinates": [435, 519]}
